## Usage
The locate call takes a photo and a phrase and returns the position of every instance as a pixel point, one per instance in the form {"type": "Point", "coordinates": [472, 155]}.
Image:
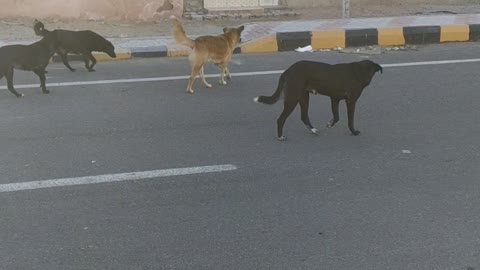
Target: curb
{"type": "Point", "coordinates": [343, 38]}
{"type": "Point", "coordinates": [322, 39]}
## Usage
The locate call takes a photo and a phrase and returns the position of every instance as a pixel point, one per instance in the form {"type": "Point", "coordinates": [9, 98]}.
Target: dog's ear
{"type": "Point", "coordinates": [240, 29]}
{"type": "Point", "coordinates": [225, 30]}
{"type": "Point", "coordinates": [378, 68]}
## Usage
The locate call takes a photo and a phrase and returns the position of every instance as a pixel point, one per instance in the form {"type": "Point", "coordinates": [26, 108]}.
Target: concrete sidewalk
{"type": "Point", "coordinates": [262, 37]}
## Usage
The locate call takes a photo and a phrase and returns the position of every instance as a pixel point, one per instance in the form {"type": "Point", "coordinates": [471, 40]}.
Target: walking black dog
{"type": "Point", "coordinates": [341, 81]}
{"type": "Point", "coordinates": [34, 57]}
{"type": "Point", "coordinates": [77, 42]}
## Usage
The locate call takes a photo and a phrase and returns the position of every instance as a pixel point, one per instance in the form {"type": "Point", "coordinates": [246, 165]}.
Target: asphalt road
{"type": "Point", "coordinates": [405, 194]}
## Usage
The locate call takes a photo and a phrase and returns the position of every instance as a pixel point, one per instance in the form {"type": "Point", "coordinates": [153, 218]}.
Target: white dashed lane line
{"type": "Point", "coordinates": [108, 178]}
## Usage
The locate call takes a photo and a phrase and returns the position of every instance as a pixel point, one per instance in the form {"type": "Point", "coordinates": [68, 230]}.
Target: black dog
{"type": "Point", "coordinates": [341, 81]}
{"type": "Point", "coordinates": [77, 42]}
{"type": "Point", "coordinates": [34, 57]}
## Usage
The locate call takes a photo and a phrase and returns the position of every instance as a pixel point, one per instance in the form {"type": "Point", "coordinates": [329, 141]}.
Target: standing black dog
{"type": "Point", "coordinates": [34, 57]}
{"type": "Point", "coordinates": [342, 81]}
{"type": "Point", "coordinates": [77, 42]}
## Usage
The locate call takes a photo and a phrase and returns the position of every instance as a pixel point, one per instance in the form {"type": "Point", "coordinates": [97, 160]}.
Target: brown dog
{"type": "Point", "coordinates": [340, 82]}
{"type": "Point", "coordinates": [215, 49]}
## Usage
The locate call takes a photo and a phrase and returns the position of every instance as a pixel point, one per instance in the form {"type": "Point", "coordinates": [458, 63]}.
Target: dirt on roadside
{"type": "Point", "coordinates": [21, 28]}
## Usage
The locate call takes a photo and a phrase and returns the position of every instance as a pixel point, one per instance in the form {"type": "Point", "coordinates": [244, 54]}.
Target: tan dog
{"type": "Point", "coordinates": [215, 49]}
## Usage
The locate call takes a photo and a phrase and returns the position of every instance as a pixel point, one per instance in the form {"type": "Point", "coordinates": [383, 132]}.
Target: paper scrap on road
{"type": "Point", "coordinates": [308, 48]}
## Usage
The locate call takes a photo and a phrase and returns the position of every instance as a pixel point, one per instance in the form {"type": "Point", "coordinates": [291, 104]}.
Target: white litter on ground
{"type": "Point", "coordinates": [308, 48]}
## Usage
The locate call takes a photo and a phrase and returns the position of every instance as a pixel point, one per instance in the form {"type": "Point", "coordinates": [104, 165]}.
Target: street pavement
{"type": "Point", "coordinates": [402, 195]}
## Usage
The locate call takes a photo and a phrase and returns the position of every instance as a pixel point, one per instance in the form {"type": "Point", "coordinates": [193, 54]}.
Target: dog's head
{"type": "Point", "coordinates": [235, 34]}
{"type": "Point", "coordinates": [378, 68]}
{"type": "Point", "coordinates": [365, 71]}
{"type": "Point", "coordinates": [109, 49]}
{"type": "Point", "coordinates": [39, 28]}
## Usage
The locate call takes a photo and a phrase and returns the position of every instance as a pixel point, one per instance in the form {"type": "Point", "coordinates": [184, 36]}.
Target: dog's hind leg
{"type": "Point", "coordinates": [41, 74]}
{"type": "Point", "coordinates": [304, 103]}
{"type": "Point", "coordinates": [202, 76]}
{"type": "Point", "coordinates": [9, 76]}
{"type": "Point", "coordinates": [336, 118]}
{"type": "Point", "coordinates": [195, 71]}
{"type": "Point", "coordinates": [351, 116]}
{"type": "Point", "coordinates": [65, 61]}
{"type": "Point", "coordinates": [288, 108]}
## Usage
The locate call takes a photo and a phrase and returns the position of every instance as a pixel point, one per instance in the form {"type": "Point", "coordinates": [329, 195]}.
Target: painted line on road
{"type": "Point", "coordinates": [426, 63]}
{"type": "Point", "coordinates": [107, 178]}
{"type": "Point", "coordinates": [154, 79]}
{"type": "Point", "coordinates": [239, 74]}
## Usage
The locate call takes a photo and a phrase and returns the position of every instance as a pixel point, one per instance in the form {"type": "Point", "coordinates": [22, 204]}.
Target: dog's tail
{"type": "Point", "coordinates": [179, 33]}
{"type": "Point", "coordinates": [39, 28]}
{"type": "Point", "coordinates": [276, 96]}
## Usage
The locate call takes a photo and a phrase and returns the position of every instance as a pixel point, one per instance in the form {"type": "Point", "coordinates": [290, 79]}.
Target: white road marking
{"type": "Point", "coordinates": [107, 178]}
{"type": "Point", "coordinates": [239, 74]}
{"type": "Point", "coordinates": [426, 63]}
{"type": "Point", "coordinates": [154, 79]}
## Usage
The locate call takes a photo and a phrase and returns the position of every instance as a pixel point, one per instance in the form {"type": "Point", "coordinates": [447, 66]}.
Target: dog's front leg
{"type": "Point", "coordinates": [87, 61]}
{"type": "Point", "coordinates": [87, 56]}
{"type": "Point", "coordinates": [65, 61]}
{"type": "Point", "coordinates": [94, 61]}
{"type": "Point", "coordinates": [336, 118]}
{"type": "Point", "coordinates": [41, 75]}
{"type": "Point", "coordinates": [351, 116]}
{"type": "Point", "coordinates": [227, 73]}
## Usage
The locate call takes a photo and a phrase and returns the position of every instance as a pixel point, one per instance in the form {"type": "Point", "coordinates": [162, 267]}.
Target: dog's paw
{"type": "Point", "coordinates": [356, 133]}
{"type": "Point", "coordinates": [208, 85]}
{"type": "Point", "coordinates": [20, 95]}
{"type": "Point", "coordinates": [255, 100]}
{"type": "Point", "coordinates": [330, 124]}
{"type": "Point", "coordinates": [91, 70]}
{"type": "Point", "coordinates": [282, 138]}
{"type": "Point", "coordinates": [221, 82]}
{"type": "Point", "coordinates": [314, 131]}
{"type": "Point", "coordinates": [189, 91]}
{"type": "Point", "coordinates": [46, 91]}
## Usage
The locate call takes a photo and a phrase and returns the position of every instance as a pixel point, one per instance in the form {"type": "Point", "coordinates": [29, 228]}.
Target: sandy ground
{"type": "Point", "coordinates": [21, 28]}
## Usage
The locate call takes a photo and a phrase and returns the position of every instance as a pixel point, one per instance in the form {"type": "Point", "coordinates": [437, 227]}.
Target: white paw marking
{"type": "Point", "coordinates": [255, 99]}
{"type": "Point", "coordinates": [314, 130]}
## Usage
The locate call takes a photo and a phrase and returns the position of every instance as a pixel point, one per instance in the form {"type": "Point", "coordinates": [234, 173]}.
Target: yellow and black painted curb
{"type": "Point", "coordinates": [393, 36]}
{"type": "Point", "coordinates": [323, 39]}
